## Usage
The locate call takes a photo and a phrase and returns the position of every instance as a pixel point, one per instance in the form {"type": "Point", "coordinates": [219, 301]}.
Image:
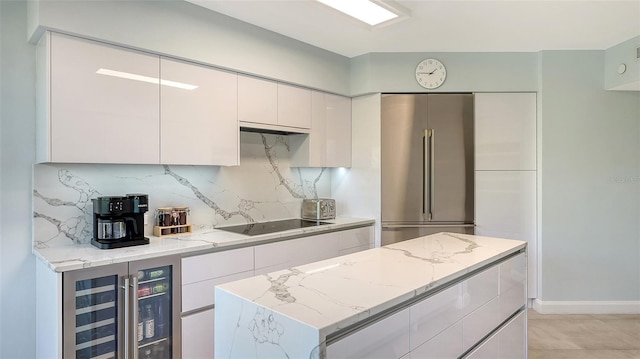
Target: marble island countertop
{"type": "Point", "coordinates": [321, 298]}
{"type": "Point", "coordinates": [74, 256]}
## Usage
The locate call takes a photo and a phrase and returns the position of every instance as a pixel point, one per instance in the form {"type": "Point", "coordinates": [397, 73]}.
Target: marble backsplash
{"type": "Point", "coordinates": [264, 187]}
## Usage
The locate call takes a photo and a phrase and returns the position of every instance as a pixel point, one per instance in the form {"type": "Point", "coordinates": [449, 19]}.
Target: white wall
{"type": "Point", "coordinates": [590, 174]}
{"type": "Point", "coordinates": [17, 150]}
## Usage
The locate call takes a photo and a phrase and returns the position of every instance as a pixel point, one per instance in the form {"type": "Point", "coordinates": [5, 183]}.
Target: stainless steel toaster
{"type": "Point", "coordinates": [321, 208]}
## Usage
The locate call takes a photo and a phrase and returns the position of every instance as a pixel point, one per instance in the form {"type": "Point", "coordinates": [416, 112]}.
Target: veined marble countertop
{"type": "Point", "coordinates": [332, 294]}
{"type": "Point", "coordinates": [77, 256]}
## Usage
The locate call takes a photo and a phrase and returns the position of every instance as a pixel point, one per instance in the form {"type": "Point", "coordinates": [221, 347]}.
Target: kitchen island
{"type": "Point", "coordinates": [443, 295]}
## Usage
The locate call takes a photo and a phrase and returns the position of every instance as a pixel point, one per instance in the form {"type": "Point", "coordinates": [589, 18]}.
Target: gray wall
{"type": "Point", "coordinates": [622, 53]}
{"type": "Point", "coordinates": [17, 264]}
{"type": "Point", "coordinates": [468, 72]}
{"type": "Point", "coordinates": [590, 182]}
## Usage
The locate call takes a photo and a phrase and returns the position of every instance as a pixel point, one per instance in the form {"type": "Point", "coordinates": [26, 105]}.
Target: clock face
{"type": "Point", "coordinates": [430, 73]}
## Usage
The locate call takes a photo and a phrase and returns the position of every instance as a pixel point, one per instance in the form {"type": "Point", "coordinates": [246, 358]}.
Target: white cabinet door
{"type": "Point", "coordinates": [257, 100]}
{"type": "Point", "coordinates": [214, 265]}
{"type": "Point", "coordinates": [480, 322]}
{"type": "Point", "coordinates": [329, 142]}
{"type": "Point", "coordinates": [512, 338]}
{"type": "Point", "coordinates": [480, 289]}
{"type": "Point", "coordinates": [197, 335]}
{"type": "Point", "coordinates": [436, 313]}
{"type": "Point", "coordinates": [294, 106]}
{"type": "Point", "coordinates": [354, 240]}
{"type": "Point", "coordinates": [445, 345]}
{"type": "Point", "coordinates": [488, 350]}
{"type": "Point", "coordinates": [201, 294]}
{"type": "Point", "coordinates": [513, 279]}
{"type": "Point", "coordinates": [104, 103]}
{"type": "Point", "coordinates": [505, 131]}
{"type": "Point", "coordinates": [506, 208]}
{"type": "Point", "coordinates": [286, 254]}
{"type": "Point", "coordinates": [338, 131]}
{"type": "Point", "coordinates": [386, 339]}
{"type": "Point", "coordinates": [309, 150]}
{"type": "Point", "coordinates": [199, 115]}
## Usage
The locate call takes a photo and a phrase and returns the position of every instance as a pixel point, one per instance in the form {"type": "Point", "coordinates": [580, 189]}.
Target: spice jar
{"type": "Point", "coordinates": [163, 219]}
{"type": "Point", "coordinates": [181, 214]}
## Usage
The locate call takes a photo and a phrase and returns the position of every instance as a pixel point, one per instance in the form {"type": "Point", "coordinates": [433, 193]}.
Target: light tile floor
{"type": "Point", "coordinates": [553, 336]}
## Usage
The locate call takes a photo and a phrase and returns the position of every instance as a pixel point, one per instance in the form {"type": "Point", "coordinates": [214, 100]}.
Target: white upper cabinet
{"type": "Point", "coordinates": [329, 142]}
{"type": "Point", "coordinates": [99, 103]}
{"type": "Point", "coordinates": [294, 106]}
{"type": "Point", "coordinates": [257, 100]}
{"type": "Point", "coordinates": [505, 131]}
{"type": "Point", "coordinates": [338, 131]}
{"type": "Point", "coordinates": [199, 115]}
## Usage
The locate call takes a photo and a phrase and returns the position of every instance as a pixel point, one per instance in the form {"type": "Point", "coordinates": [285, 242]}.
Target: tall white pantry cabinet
{"type": "Point", "coordinates": [505, 171]}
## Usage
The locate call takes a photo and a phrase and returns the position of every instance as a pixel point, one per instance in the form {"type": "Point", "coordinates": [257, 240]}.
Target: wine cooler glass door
{"type": "Point", "coordinates": [156, 301]}
{"type": "Point", "coordinates": [93, 313]}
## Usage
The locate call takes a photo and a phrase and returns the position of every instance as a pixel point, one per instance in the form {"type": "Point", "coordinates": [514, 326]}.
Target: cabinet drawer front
{"type": "Point", "coordinates": [200, 294]}
{"type": "Point", "coordinates": [434, 314]}
{"type": "Point", "coordinates": [446, 345]}
{"type": "Point", "coordinates": [512, 338]}
{"type": "Point", "coordinates": [277, 255]}
{"type": "Point", "coordinates": [197, 335]}
{"type": "Point", "coordinates": [480, 323]}
{"type": "Point", "coordinates": [214, 265]}
{"type": "Point", "coordinates": [356, 238]}
{"type": "Point", "coordinates": [480, 289]}
{"type": "Point", "coordinates": [295, 252]}
{"type": "Point", "coordinates": [388, 338]}
{"type": "Point", "coordinates": [513, 273]}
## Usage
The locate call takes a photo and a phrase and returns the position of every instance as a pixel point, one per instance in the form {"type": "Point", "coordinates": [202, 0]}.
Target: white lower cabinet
{"type": "Point", "coordinates": [201, 273]}
{"type": "Point", "coordinates": [480, 322]}
{"type": "Point", "coordinates": [451, 322]}
{"type": "Point", "coordinates": [505, 203]}
{"type": "Point", "coordinates": [197, 335]}
{"type": "Point", "coordinates": [355, 240]}
{"type": "Point", "coordinates": [512, 338]}
{"type": "Point", "coordinates": [507, 343]}
{"type": "Point", "coordinates": [446, 345]}
{"type": "Point", "coordinates": [434, 314]}
{"type": "Point", "coordinates": [386, 339]}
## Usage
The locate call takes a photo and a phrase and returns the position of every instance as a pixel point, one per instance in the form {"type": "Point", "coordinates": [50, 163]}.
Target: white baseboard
{"type": "Point", "coordinates": [584, 307]}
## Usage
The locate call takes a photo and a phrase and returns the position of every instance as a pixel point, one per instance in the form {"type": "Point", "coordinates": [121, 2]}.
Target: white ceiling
{"type": "Point", "coordinates": [448, 26]}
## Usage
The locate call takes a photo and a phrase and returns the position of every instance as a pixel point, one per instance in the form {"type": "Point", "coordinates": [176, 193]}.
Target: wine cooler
{"type": "Point", "coordinates": [128, 310]}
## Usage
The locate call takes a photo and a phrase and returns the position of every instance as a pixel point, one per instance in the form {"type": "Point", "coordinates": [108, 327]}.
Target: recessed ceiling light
{"type": "Point", "coordinates": [370, 12]}
{"type": "Point", "coordinates": [153, 80]}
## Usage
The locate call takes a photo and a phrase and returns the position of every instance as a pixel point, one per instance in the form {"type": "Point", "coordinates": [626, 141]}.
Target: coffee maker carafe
{"type": "Point", "coordinates": [119, 221]}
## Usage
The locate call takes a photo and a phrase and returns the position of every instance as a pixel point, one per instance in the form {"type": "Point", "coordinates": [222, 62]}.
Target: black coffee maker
{"type": "Point", "coordinates": [119, 221]}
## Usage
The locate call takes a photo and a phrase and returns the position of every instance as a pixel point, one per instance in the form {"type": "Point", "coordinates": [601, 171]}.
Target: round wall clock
{"type": "Point", "coordinates": [430, 73]}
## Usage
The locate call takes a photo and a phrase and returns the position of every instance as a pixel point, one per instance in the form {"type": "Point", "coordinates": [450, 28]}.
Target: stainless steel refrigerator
{"type": "Point", "coordinates": [427, 165]}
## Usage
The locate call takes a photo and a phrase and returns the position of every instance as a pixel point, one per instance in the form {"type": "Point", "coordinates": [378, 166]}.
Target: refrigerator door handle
{"type": "Point", "coordinates": [460, 225]}
{"type": "Point", "coordinates": [127, 328]}
{"type": "Point", "coordinates": [432, 172]}
{"type": "Point", "coordinates": [426, 156]}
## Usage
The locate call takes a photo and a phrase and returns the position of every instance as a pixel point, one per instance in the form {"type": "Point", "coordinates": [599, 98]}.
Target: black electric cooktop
{"type": "Point", "coordinates": [252, 229]}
